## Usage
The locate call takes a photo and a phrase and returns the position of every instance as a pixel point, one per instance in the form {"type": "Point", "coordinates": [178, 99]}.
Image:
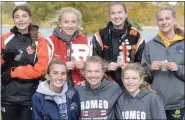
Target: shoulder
{"type": "Point", "coordinates": [37, 97]}
{"type": "Point", "coordinates": [71, 93]}
{"type": "Point", "coordinates": [114, 86]}
{"type": "Point", "coordinates": [82, 36]}
{"type": "Point", "coordinates": [103, 31]}
{"type": "Point", "coordinates": [153, 97]}
{"type": "Point", "coordinates": [79, 87]}
{"type": "Point", "coordinates": [153, 40]}
{"type": "Point", "coordinates": [6, 35]}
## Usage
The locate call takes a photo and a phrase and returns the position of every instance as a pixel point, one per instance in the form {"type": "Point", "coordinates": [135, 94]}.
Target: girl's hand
{"type": "Point", "coordinates": [156, 65]}
{"type": "Point", "coordinates": [172, 66]}
{"type": "Point", "coordinates": [70, 65]}
{"type": "Point", "coordinates": [113, 66]}
{"type": "Point", "coordinates": [79, 64]}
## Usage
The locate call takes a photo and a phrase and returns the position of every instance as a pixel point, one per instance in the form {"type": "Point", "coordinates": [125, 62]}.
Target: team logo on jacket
{"type": "Point", "coordinates": [80, 51]}
{"type": "Point", "coordinates": [30, 50]}
{"type": "Point", "coordinates": [180, 49]}
{"type": "Point", "coordinates": [96, 109]}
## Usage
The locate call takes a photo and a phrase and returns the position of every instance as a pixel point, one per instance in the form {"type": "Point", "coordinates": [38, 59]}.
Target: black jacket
{"type": "Point", "coordinates": [20, 90]}
{"type": "Point", "coordinates": [106, 43]}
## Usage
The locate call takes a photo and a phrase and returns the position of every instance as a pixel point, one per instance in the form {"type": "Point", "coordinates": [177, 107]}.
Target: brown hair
{"type": "Point", "coordinates": [55, 61]}
{"type": "Point", "coordinates": [95, 59]}
{"type": "Point", "coordinates": [32, 29]}
{"type": "Point", "coordinates": [177, 30]}
{"type": "Point", "coordinates": [118, 3]}
{"type": "Point", "coordinates": [137, 67]}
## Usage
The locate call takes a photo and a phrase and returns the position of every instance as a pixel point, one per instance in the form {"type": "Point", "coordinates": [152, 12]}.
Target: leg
{"type": "Point", "coordinates": [177, 114]}
{"type": "Point", "coordinates": [8, 112]}
{"type": "Point", "coordinates": [25, 113]}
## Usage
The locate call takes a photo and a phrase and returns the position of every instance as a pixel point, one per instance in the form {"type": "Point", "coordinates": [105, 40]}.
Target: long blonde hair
{"type": "Point", "coordinates": [177, 30]}
{"type": "Point", "coordinates": [73, 10]}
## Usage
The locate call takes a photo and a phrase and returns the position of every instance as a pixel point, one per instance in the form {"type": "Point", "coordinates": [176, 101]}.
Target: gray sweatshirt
{"type": "Point", "coordinates": [168, 85]}
{"type": "Point", "coordinates": [99, 103]}
{"type": "Point", "coordinates": [145, 105]}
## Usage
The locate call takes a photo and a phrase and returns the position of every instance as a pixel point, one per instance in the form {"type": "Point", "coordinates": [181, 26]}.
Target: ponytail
{"type": "Point", "coordinates": [33, 31]}
{"type": "Point", "coordinates": [179, 31]}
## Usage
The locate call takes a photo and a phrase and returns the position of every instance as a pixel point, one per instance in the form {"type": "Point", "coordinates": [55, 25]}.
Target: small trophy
{"type": "Point", "coordinates": [164, 63]}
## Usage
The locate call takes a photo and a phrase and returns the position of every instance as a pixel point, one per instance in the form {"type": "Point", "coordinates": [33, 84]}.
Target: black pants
{"type": "Point", "coordinates": [177, 114]}
{"type": "Point", "coordinates": [16, 112]}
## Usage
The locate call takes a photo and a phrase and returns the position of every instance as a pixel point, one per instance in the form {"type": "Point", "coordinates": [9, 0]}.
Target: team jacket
{"type": "Point", "coordinates": [108, 42]}
{"type": "Point", "coordinates": [169, 85]}
{"type": "Point", "coordinates": [77, 49]}
{"type": "Point", "coordinates": [24, 78]}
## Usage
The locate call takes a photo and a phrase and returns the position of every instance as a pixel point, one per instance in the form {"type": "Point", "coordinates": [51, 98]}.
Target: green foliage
{"type": "Point", "coordinates": [7, 8]}
{"type": "Point", "coordinates": [95, 14]}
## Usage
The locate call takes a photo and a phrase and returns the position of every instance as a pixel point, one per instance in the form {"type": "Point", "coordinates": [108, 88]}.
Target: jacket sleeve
{"type": "Point", "coordinates": [157, 108]}
{"type": "Point", "coordinates": [97, 45]}
{"type": "Point", "coordinates": [76, 100]}
{"type": "Point", "coordinates": [78, 105]}
{"type": "Point", "coordinates": [139, 48]}
{"type": "Point", "coordinates": [118, 109]}
{"type": "Point", "coordinates": [180, 72]}
{"type": "Point", "coordinates": [36, 108]}
{"type": "Point", "coordinates": [146, 63]}
{"type": "Point", "coordinates": [34, 72]}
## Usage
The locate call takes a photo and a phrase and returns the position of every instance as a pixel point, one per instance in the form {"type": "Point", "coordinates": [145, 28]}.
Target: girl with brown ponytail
{"type": "Point", "coordinates": [24, 58]}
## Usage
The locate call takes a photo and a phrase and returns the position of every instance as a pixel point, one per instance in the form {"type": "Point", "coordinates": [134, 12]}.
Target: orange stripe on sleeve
{"type": "Point", "coordinates": [34, 72]}
{"type": "Point", "coordinates": [98, 38]}
{"type": "Point", "coordinates": [2, 39]}
{"type": "Point", "coordinates": [139, 42]}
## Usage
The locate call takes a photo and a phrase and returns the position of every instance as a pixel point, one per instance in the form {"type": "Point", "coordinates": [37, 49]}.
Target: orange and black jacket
{"type": "Point", "coordinates": [108, 42]}
{"type": "Point", "coordinates": [28, 70]}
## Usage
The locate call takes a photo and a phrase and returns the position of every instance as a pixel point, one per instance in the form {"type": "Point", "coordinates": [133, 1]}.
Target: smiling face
{"type": "Point", "coordinates": [22, 20]}
{"type": "Point", "coordinates": [57, 76]}
{"type": "Point", "coordinates": [69, 23]}
{"type": "Point", "coordinates": [117, 16]}
{"type": "Point", "coordinates": [132, 81]}
{"type": "Point", "coordinates": [93, 73]}
{"type": "Point", "coordinates": [166, 21]}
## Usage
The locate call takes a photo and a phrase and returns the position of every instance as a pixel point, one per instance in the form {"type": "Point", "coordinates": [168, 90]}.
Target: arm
{"type": "Point", "coordinates": [36, 108]}
{"type": "Point", "coordinates": [139, 48]}
{"type": "Point", "coordinates": [180, 72]}
{"type": "Point", "coordinates": [78, 104]}
{"type": "Point", "coordinates": [146, 62]}
{"type": "Point", "coordinates": [34, 72]}
{"type": "Point", "coordinates": [97, 45]}
{"type": "Point", "coordinates": [157, 108]}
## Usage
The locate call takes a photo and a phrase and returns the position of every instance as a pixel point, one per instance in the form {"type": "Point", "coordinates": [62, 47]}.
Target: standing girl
{"type": "Point", "coordinates": [24, 59]}
{"type": "Point", "coordinates": [69, 45]}
{"type": "Point", "coordinates": [138, 102]}
{"type": "Point", "coordinates": [54, 99]}
{"type": "Point", "coordinates": [118, 42]}
{"type": "Point", "coordinates": [163, 59]}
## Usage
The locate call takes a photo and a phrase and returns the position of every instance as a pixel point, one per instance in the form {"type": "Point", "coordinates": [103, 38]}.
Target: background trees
{"type": "Point", "coordinates": [95, 14]}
